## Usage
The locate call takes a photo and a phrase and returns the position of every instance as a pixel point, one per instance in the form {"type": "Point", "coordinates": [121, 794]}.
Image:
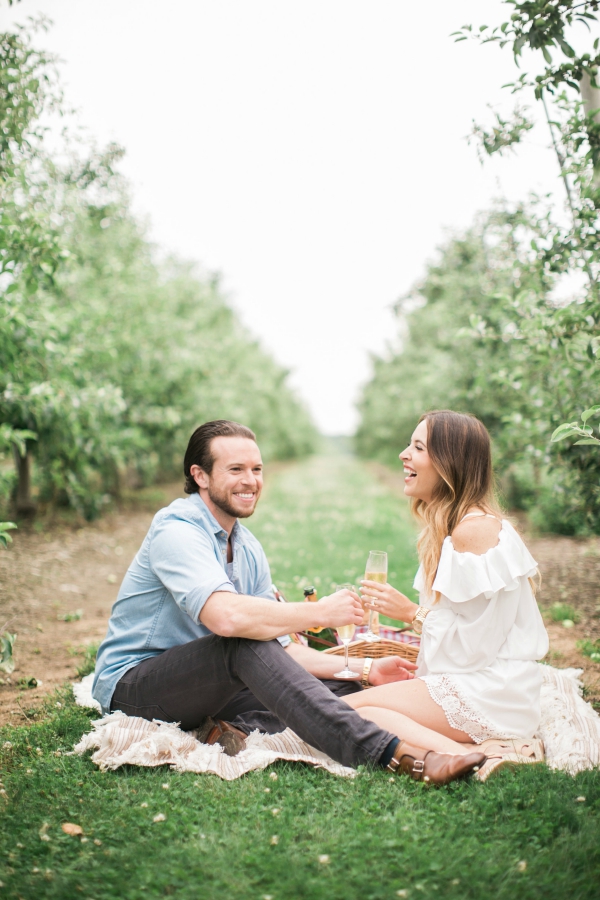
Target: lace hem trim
{"type": "Point", "coordinates": [459, 712]}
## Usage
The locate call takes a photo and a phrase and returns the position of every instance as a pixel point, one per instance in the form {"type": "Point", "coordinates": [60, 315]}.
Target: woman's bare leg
{"type": "Point", "coordinates": [409, 730]}
{"type": "Point", "coordinates": [411, 702]}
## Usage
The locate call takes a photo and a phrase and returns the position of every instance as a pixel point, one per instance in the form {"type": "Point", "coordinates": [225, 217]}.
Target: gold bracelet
{"type": "Point", "coordinates": [364, 678]}
{"type": "Point", "coordinates": [420, 616]}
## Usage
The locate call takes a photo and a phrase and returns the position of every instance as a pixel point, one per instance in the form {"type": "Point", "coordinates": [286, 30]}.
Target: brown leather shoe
{"type": "Point", "coordinates": [216, 731]}
{"type": "Point", "coordinates": [431, 767]}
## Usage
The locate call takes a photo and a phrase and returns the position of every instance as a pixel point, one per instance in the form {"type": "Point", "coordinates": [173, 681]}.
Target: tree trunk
{"type": "Point", "coordinates": [24, 504]}
{"type": "Point", "coordinates": [591, 104]}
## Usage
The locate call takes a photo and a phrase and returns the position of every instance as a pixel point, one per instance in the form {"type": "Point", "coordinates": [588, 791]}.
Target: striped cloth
{"type": "Point", "coordinates": [569, 728]}
{"type": "Point", "coordinates": [119, 740]}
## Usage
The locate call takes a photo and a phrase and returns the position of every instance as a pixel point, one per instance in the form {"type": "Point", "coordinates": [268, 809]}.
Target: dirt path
{"type": "Point", "coordinates": [48, 577]}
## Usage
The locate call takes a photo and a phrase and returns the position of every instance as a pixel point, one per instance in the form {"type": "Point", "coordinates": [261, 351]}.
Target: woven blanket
{"type": "Point", "coordinates": [569, 727]}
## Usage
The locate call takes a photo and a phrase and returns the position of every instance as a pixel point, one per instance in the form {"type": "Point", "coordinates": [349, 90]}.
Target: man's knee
{"type": "Point", "coordinates": [245, 651]}
{"type": "Point", "coordinates": [272, 645]}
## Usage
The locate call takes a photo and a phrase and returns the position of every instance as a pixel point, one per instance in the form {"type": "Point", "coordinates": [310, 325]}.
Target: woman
{"type": "Point", "coordinates": [477, 681]}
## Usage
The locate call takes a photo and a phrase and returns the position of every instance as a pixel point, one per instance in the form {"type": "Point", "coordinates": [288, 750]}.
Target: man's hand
{"type": "Point", "coordinates": [238, 615]}
{"type": "Point", "coordinates": [389, 669]}
{"type": "Point", "coordinates": [342, 608]}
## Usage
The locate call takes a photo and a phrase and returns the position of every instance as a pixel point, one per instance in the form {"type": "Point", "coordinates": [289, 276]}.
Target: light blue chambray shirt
{"type": "Point", "coordinates": [182, 561]}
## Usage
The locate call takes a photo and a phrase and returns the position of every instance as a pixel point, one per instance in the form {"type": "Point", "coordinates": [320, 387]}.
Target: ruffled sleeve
{"type": "Point", "coordinates": [419, 582]}
{"type": "Point", "coordinates": [463, 576]}
{"type": "Point", "coordinates": [486, 610]}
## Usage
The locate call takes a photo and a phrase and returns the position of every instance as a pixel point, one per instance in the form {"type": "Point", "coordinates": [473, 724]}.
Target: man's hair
{"type": "Point", "coordinates": [199, 451]}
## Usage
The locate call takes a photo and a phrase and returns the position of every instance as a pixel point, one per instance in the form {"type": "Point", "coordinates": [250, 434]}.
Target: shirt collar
{"type": "Point", "coordinates": [237, 532]}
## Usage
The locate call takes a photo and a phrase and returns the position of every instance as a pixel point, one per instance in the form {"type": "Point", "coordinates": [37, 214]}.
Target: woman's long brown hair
{"type": "Point", "coordinates": [460, 449]}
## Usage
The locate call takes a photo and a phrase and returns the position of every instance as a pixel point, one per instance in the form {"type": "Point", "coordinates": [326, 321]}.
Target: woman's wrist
{"type": "Point", "coordinates": [364, 678]}
{"type": "Point", "coordinates": [414, 609]}
{"type": "Point", "coordinates": [420, 616]}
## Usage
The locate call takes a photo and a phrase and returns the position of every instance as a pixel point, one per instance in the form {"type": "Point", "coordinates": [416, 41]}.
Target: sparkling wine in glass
{"type": "Point", "coordinates": [346, 633]}
{"type": "Point", "coordinates": [376, 570]}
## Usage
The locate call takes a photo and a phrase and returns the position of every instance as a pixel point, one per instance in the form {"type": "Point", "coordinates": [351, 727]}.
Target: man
{"type": "Point", "coordinates": [195, 635]}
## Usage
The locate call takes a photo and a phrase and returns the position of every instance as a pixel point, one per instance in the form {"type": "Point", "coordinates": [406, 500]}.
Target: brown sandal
{"type": "Point", "coordinates": [532, 750]}
{"type": "Point", "coordinates": [431, 767]}
{"type": "Point", "coordinates": [494, 764]}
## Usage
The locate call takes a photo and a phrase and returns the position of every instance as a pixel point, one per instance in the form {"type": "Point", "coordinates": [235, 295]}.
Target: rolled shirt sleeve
{"type": "Point", "coordinates": [182, 557]}
{"type": "Point", "coordinates": [181, 563]}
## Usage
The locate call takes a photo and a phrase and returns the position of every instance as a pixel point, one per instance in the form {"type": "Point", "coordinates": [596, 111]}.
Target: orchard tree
{"type": "Point", "coordinates": [568, 88]}
{"type": "Point", "coordinates": [497, 342]}
{"type": "Point", "coordinates": [108, 358]}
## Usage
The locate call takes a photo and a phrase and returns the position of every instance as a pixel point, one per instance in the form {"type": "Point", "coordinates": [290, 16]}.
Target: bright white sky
{"type": "Point", "coordinates": [313, 151]}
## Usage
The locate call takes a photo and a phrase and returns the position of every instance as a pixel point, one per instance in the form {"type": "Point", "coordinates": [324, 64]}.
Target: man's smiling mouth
{"type": "Point", "coordinates": [245, 496]}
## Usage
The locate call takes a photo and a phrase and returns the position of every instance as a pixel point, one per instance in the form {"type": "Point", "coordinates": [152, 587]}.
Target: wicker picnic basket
{"type": "Point", "coordinates": [378, 649]}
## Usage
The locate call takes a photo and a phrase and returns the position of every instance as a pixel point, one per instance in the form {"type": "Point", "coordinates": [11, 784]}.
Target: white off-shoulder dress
{"type": "Point", "coordinates": [481, 640]}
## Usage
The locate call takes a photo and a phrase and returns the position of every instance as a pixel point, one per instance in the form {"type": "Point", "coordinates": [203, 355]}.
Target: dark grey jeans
{"type": "Point", "coordinates": [208, 677]}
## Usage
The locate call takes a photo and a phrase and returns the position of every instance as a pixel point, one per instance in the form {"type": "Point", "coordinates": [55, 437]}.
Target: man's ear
{"type": "Point", "coordinates": [199, 476]}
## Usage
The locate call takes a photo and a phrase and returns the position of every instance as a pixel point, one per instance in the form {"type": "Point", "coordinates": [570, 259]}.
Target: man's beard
{"type": "Point", "coordinates": [222, 501]}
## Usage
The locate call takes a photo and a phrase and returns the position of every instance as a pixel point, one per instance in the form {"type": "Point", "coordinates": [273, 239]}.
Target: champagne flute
{"type": "Point", "coordinates": [376, 570]}
{"type": "Point", "coordinates": [346, 633]}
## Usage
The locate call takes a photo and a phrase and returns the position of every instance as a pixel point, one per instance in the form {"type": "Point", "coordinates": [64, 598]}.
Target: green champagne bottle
{"type": "Point", "coordinates": [327, 636]}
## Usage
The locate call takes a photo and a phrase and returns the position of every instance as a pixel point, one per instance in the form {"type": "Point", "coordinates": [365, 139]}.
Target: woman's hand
{"type": "Point", "coordinates": [385, 599]}
{"type": "Point", "coordinates": [390, 669]}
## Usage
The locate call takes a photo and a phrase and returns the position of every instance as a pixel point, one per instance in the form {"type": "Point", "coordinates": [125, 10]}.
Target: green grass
{"type": "Point", "coordinates": [88, 663]}
{"type": "Point", "coordinates": [318, 520]}
{"type": "Point", "coordinates": [563, 612]}
{"type": "Point", "coordinates": [384, 838]}
{"type": "Point", "coordinates": [590, 648]}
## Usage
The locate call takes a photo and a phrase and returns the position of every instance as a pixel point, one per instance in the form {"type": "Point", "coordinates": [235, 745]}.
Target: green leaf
{"type": "Point", "coordinates": [588, 413]}
{"type": "Point", "coordinates": [564, 431]}
{"type": "Point", "coordinates": [547, 55]}
{"type": "Point", "coordinates": [566, 48]}
{"type": "Point", "coordinates": [587, 441]}
{"type": "Point", "coordinates": [518, 45]}
{"type": "Point", "coordinates": [5, 539]}
{"type": "Point", "coordinates": [7, 642]}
